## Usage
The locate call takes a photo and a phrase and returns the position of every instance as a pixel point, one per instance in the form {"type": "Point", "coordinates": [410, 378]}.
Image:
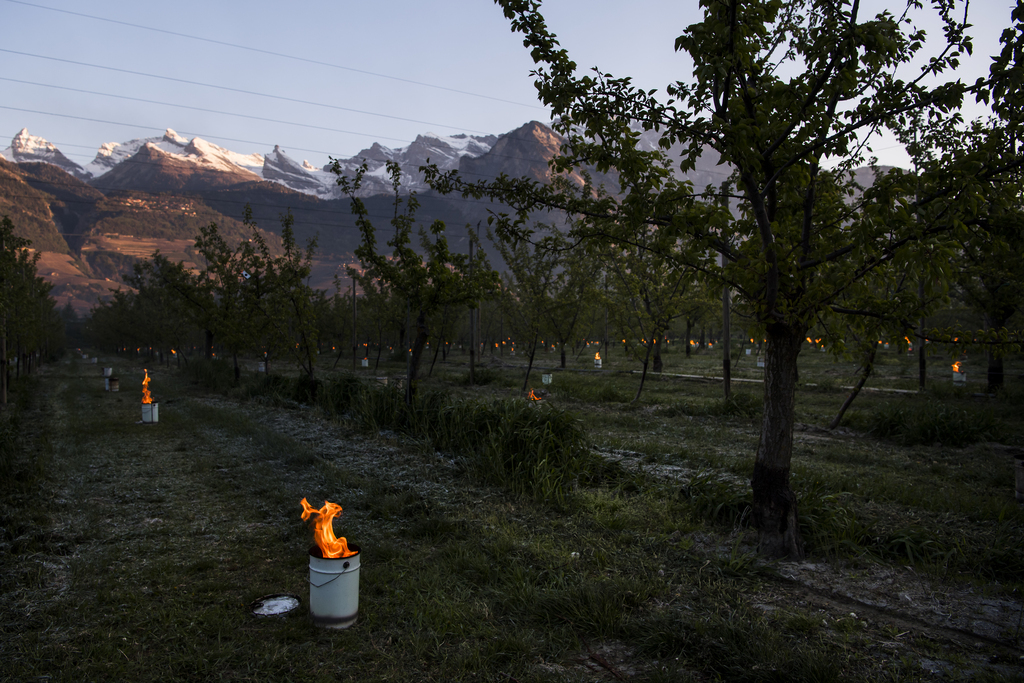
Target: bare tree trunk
{"type": "Point", "coordinates": [529, 365]}
{"type": "Point", "coordinates": [658, 365]}
{"type": "Point", "coordinates": [727, 338]}
{"type": "Point", "coordinates": [643, 373]}
{"type": "Point", "coordinates": [996, 375]}
{"type": "Point", "coordinates": [563, 355]}
{"type": "Point", "coordinates": [774, 512]}
{"type": "Point", "coordinates": [869, 365]}
{"type": "Point", "coordinates": [417, 354]}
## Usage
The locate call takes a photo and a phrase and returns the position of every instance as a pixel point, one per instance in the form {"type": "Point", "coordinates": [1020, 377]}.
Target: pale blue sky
{"type": "Point", "coordinates": [456, 45]}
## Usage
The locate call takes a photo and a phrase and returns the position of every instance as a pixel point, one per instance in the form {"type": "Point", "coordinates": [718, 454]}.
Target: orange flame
{"type": "Point", "coordinates": [533, 396]}
{"type": "Point", "coordinates": [956, 366]}
{"type": "Point", "coordinates": [597, 356]}
{"type": "Point", "coordinates": [146, 398]}
{"type": "Point", "coordinates": [329, 544]}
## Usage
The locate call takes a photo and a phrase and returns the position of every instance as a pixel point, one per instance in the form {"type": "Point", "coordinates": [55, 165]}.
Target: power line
{"type": "Point", "coordinates": [249, 142]}
{"type": "Point", "coordinates": [220, 87]}
{"type": "Point", "coordinates": [244, 116]}
{"type": "Point", "coordinates": [277, 54]}
{"type": "Point", "coordinates": [150, 128]}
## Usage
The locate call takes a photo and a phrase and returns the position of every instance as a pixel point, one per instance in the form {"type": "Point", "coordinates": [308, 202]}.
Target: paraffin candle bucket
{"type": "Point", "coordinates": [150, 414]}
{"type": "Point", "coordinates": [108, 372]}
{"type": "Point", "coordinates": [333, 588]}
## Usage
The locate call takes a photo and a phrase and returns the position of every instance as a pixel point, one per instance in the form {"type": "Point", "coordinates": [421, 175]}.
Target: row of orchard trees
{"type": "Point", "coordinates": [30, 326]}
{"type": "Point", "coordinates": [247, 299]}
{"type": "Point", "coordinates": [253, 299]}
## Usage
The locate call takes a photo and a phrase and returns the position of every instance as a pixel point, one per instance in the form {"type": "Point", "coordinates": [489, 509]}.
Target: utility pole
{"type": "Point", "coordinates": [353, 323]}
{"type": "Point", "coordinates": [726, 306]}
{"type": "Point", "coordinates": [922, 361]}
{"type": "Point", "coordinates": [727, 334]}
{"type": "Point", "coordinates": [472, 322]}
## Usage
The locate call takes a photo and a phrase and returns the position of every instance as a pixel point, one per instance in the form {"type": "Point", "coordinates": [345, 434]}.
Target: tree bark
{"type": "Point", "coordinates": [529, 365]}
{"type": "Point", "coordinates": [417, 354]}
{"type": "Point", "coordinates": [869, 365]}
{"type": "Point", "coordinates": [643, 373]}
{"type": "Point", "coordinates": [774, 512]}
{"type": "Point", "coordinates": [658, 365]}
{"type": "Point", "coordinates": [996, 376]}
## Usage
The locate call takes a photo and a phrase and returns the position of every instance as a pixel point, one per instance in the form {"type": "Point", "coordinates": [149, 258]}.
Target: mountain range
{"type": "Point", "coordinates": [196, 163]}
{"type": "Point", "coordinates": [91, 223]}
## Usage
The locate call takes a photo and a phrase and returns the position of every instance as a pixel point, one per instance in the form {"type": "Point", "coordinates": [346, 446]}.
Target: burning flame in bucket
{"type": "Point", "coordinates": [956, 366]}
{"type": "Point", "coordinates": [597, 356]}
{"type": "Point", "coordinates": [146, 398]}
{"type": "Point", "coordinates": [533, 396]}
{"type": "Point", "coordinates": [329, 544]}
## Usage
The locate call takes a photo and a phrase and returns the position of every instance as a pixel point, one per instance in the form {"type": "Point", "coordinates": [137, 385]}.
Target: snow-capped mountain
{"type": "Point", "coordinates": [275, 166]}
{"type": "Point", "coordinates": [25, 147]}
{"type": "Point", "coordinates": [445, 151]}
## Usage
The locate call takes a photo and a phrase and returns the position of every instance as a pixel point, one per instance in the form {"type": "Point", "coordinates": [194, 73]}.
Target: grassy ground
{"type": "Point", "coordinates": [133, 552]}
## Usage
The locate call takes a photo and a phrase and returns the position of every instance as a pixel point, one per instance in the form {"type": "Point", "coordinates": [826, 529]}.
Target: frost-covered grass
{"type": "Point", "coordinates": [135, 552]}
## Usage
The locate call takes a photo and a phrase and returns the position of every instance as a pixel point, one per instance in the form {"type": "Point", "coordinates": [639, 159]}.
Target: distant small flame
{"type": "Point", "coordinates": [533, 396]}
{"type": "Point", "coordinates": [956, 366]}
{"type": "Point", "coordinates": [146, 398]}
{"type": "Point", "coordinates": [597, 356]}
{"type": "Point", "coordinates": [329, 544]}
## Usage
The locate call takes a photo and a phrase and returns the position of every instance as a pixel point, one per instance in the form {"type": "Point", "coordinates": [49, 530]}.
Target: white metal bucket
{"type": "Point", "coordinates": [546, 379]}
{"type": "Point", "coordinates": [107, 372]}
{"type": "Point", "coordinates": [106, 384]}
{"type": "Point", "coordinates": [365, 362]}
{"type": "Point", "coordinates": [597, 363]}
{"type": "Point", "coordinates": [150, 413]}
{"type": "Point", "coordinates": [959, 377]}
{"type": "Point", "coordinates": [334, 588]}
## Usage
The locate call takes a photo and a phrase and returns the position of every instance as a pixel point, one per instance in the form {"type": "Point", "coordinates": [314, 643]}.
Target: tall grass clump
{"type": "Point", "coordinates": [737, 405]}
{"type": "Point", "coordinates": [215, 374]}
{"type": "Point", "coordinates": [716, 500]}
{"type": "Point", "coordinates": [828, 526]}
{"type": "Point", "coordinates": [585, 390]}
{"type": "Point", "coordinates": [533, 450]}
{"type": "Point", "coordinates": [271, 389]}
{"type": "Point", "coordinates": [911, 424]}
{"type": "Point", "coordinates": [337, 396]}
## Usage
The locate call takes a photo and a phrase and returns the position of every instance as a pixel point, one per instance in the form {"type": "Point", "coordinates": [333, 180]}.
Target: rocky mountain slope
{"type": "Point", "coordinates": [166, 187]}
